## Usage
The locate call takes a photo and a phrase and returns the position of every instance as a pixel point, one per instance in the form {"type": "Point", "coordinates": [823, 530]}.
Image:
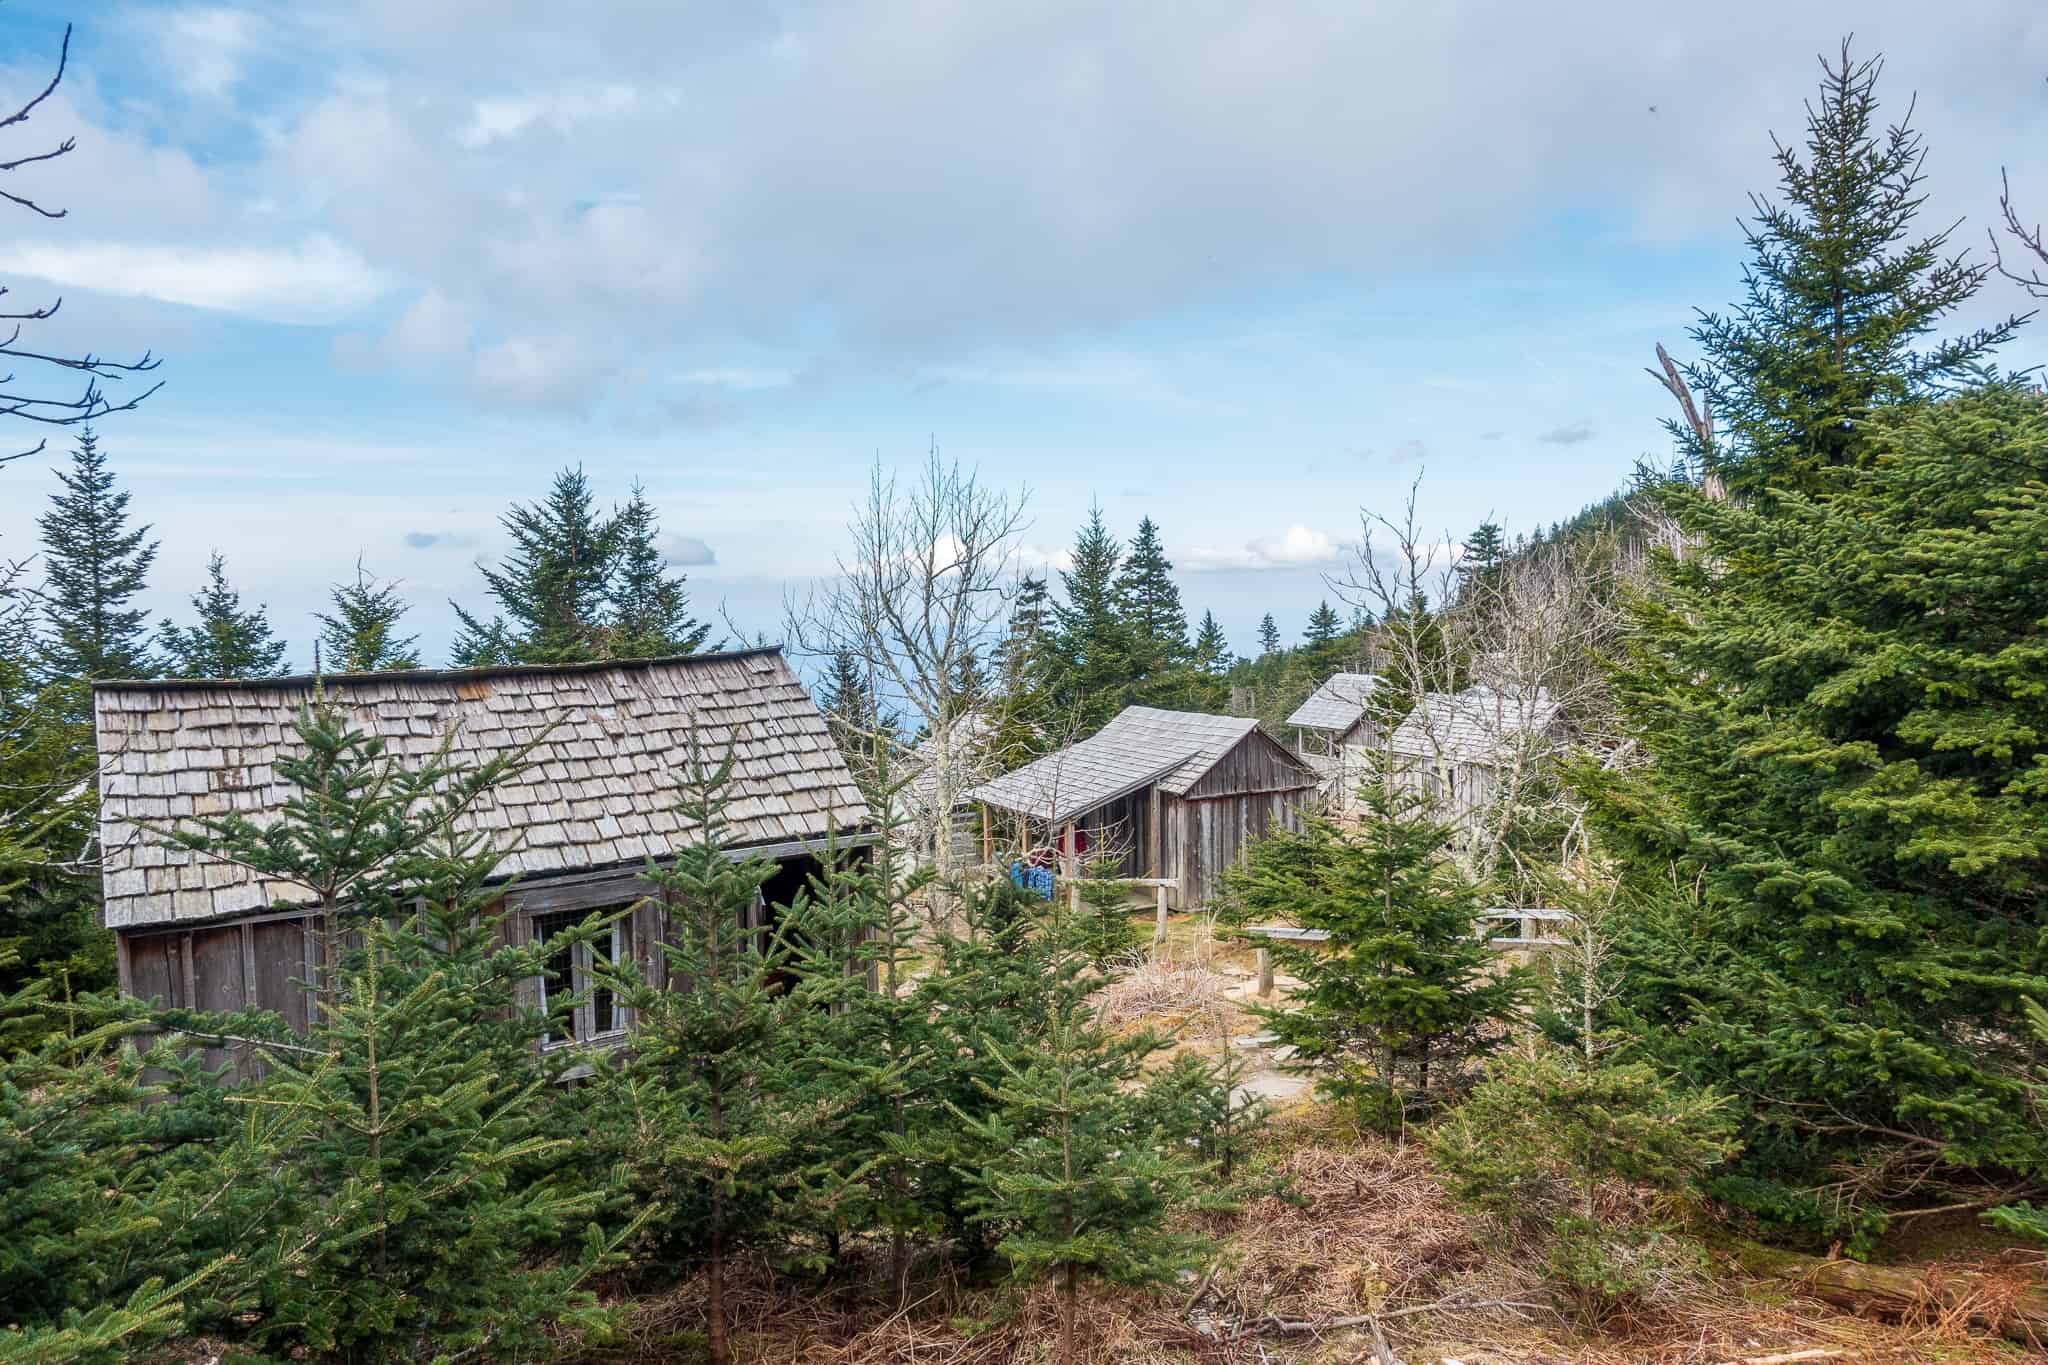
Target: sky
{"type": "Point", "coordinates": [1246, 269]}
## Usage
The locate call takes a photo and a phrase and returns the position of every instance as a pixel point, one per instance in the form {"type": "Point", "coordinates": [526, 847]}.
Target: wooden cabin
{"type": "Point", "coordinates": [595, 803]}
{"type": "Point", "coordinates": [1458, 750]}
{"type": "Point", "coordinates": [1161, 793]}
{"type": "Point", "coordinates": [1331, 729]}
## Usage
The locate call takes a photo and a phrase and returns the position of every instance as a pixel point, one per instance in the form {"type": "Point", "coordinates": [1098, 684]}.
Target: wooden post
{"type": "Point", "coordinates": [1265, 971]}
{"type": "Point", "coordinates": [988, 838]}
{"type": "Point", "coordinates": [1159, 927]}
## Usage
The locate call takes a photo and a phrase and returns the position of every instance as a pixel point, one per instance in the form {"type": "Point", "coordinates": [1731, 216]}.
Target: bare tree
{"type": "Point", "coordinates": [2027, 275]}
{"type": "Point", "coordinates": [920, 599]}
{"type": "Point", "coordinates": [24, 400]}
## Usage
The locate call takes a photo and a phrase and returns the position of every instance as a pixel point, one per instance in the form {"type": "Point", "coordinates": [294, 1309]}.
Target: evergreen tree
{"type": "Point", "coordinates": [1485, 550]}
{"type": "Point", "coordinates": [1324, 625]}
{"type": "Point", "coordinates": [225, 642]}
{"type": "Point", "coordinates": [1839, 298]}
{"type": "Point", "coordinates": [698, 1108]}
{"type": "Point", "coordinates": [1406, 990]}
{"type": "Point", "coordinates": [1078, 1188]}
{"type": "Point", "coordinates": [866, 1030]}
{"type": "Point", "coordinates": [360, 635]}
{"type": "Point", "coordinates": [1026, 666]}
{"type": "Point", "coordinates": [848, 703]}
{"type": "Point", "coordinates": [1094, 646]}
{"type": "Point", "coordinates": [649, 607]}
{"type": "Point", "coordinates": [1212, 649]}
{"type": "Point", "coordinates": [553, 590]}
{"type": "Point", "coordinates": [1840, 844]}
{"type": "Point", "coordinates": [96, 564]}
{"type": "Point", "coordinates": [418, 1206]}
{"type": "Point", "coordinates": [1150, 605]}
{"type": "Point", "coordinates": [1269, 635]}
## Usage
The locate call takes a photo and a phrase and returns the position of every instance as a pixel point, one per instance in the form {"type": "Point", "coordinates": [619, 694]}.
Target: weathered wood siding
{"type": "Point", "coordinates": [1205, 836]}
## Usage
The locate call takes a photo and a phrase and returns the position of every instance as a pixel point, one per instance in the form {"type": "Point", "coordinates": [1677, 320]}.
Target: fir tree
{"type": "Point", "coordinates": [415, 1188]}
{"type": "Point", "coordinates": [697, 1106]}
{"type": "Point", "coordinates": [846, 697]}
{"type": "Point", "coordinates": [1078, 1188]}
{"type": "Point", "coordinates": [1094, 644]}
{"type": "Point", "coordinates": [1026, 666]}
{"type": "Point", "coordinates": [1483, 553]}
{"type": "Point", "coordinates": [1406, 989]}
{"type": "Point", "coordinates": [225, 641]}
{"type": "Point", "coordinates": [1150, 604]}
{"type": "Point", "coordinates": [360, 635]}
{"type": "Point", "coordinates": [1324, 626]}
{"type": "Point", "coordinates": [1269, 635]}
{"type": "Point", "coordinates": [1839, 848]}
{"type": "Point", "coordinates": [96, 564]}
{"type": "Point", "coordinates": [1212, 649]}
{"type": "Point", "coordinates": [553, 590]}
{"type": "Point", "coordinates": [649, 607]}
{"type": "Point", "coordinates": [1839, 299]}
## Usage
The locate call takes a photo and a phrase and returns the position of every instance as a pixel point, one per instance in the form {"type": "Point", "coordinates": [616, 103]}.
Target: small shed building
{"type": "Point", "coordinates": [1330, 729]}
{"type": "Point", "coordinates": [595, 802]}
{"type": "Point", "coordinates": [1161, 793]}
{"type": "Point", "coordinates": [1461, 750]}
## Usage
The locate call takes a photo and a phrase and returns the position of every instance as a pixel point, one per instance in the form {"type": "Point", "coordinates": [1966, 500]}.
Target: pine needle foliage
{"type": "Point", "coordinates": [96, 564]}
{"type": "Point", "coordinates": [360, 634]}
{"type": "Point", "coordinates": [224, 641]}
{"type": "Point", "coordinates": [1840, 846]}
{"type": "Point", "coordinates": [1406, 991]}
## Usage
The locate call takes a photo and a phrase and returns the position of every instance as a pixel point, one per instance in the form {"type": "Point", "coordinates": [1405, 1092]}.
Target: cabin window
{"type": "Point", "coordinates": [597, 1013]}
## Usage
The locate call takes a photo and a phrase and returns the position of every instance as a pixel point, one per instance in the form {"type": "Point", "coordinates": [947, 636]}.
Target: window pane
{"type": "Point", "coordinates": [559, 984]}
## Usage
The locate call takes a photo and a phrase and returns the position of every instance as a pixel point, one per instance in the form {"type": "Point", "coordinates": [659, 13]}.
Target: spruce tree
{"type": "Point", "coordinates": [1079, 1184]}
{"type": "Point", "coordinates": [225, 641]}
{"type": "Point", "coordinates": [96, 564]}
{"type": "Point", "coordinates": [1212, 649]}
{"type": "Point", "coordinates": [697, 1107]}
{"type": "Point", "coordinates": [1324, 625]}
{"type": "Point", "coordinates": [1483, 553]}
{"type": "Point", "coordinates": [1840, 845]}
{"type": "Point", "coordinates": [1269, 635]}
{"type": "Point", "coordinates": [1094, 642]}
{"type": "Point", "coordinates": [1026, 667]}
{"type": "Point", "coordinates": [649, 606]}
{"type": "Point", "coordinates": [846, 698]}
{"type": "Point", "coordinates": [1840, 299]}
{"type": "Point", "coordinates": [360, 635]}
{"type": "Point", "coordinates": [1150, 603]}
{"type": "Point", "coordinates": [418, 1206]}
{"type": "Point", "coordinates": [553, 589]}
{"type": "Point", "coordinates": [1406, 990]}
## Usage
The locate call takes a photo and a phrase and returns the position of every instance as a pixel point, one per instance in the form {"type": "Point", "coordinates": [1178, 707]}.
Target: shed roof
{"type": "Point", "coordinates": [1337, 704]}
{"type": "Point", "coordinates": [1473, 726]}
{"type": "Point", "coordinates": [1141, 747]}
{"type": "Point", "coordinates": [597, 790]}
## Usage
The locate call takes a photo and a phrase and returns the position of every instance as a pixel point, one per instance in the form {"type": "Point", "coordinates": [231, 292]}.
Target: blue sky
{"type": "Point", "coordinates": [1245, 269]}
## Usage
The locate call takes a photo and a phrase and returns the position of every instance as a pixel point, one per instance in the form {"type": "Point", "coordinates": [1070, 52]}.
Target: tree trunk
{"type": "Point", "coordinates": [715, 1344]}
{"type": "Point", "coordinates": [1067, 1296]}
{"type": "Point", "coordinates": [1984, 1300]}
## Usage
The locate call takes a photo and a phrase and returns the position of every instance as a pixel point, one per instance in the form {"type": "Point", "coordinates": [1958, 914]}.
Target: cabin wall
{"type": "Point", "coordinates": [1206, 836]}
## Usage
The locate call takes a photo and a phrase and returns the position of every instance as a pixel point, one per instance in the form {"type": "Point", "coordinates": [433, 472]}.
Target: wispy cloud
{"type": "Point", "coordinates": [687, 550]}
{"type": "Point", "coordinates": [317, 281]}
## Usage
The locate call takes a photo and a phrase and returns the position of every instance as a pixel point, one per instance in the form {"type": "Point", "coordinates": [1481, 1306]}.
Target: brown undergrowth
{"type": "Point", "coordinates": [1364, 1229]}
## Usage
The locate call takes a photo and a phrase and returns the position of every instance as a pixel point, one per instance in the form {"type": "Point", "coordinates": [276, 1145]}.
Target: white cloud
{"type": "Point", "coordinates": [739, 377]}
{"type": "Point", "coordinates": [498, 118]}
{"type": "Point", "coordinates": [204, 48]}
{"type": "Point", "coordinates": [317, 281]}
{"type": "Point", "coordinates": [1296, 547]}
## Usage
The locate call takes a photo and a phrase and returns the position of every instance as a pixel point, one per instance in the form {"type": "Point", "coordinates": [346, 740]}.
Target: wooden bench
{"type": "Point", "coordinates": [1525, 937]}
{"type": "Point", "coordinates": [1286, 933]}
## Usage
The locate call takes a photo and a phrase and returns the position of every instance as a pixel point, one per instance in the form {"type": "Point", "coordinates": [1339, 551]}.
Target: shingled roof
{"type": "Point", "coordinates": [1473, 726]}
{"type": "Point", "coordinates": [1143, 745]}
{"type": "Point", "coordinates": [598, 791]}
{"type": "Point", "coordinates": [1337, 704]}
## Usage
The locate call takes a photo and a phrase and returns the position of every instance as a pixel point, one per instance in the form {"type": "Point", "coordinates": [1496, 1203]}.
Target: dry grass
{"type": "Point", "coordinates": [1367, 1230]}
{"type": "Point", "coordinates": [1181, 995]}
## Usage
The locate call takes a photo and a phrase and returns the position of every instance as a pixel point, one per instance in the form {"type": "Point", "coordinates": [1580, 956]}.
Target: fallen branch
{"type": "Point", "coordinates": [1790, 1357]}
{"type": "Point", "coordinates": [1983, 1300]}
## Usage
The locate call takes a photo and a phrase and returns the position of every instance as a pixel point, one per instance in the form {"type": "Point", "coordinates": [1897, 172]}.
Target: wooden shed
{"type": "Point", "coordinates": [1330, 730]}
{"type": "Point", "coordinates": [1461, 750]}
{"type": "Point", "coordinates": [1167, 793]}
{"type": "Point", "coordinates": [595, 803]}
